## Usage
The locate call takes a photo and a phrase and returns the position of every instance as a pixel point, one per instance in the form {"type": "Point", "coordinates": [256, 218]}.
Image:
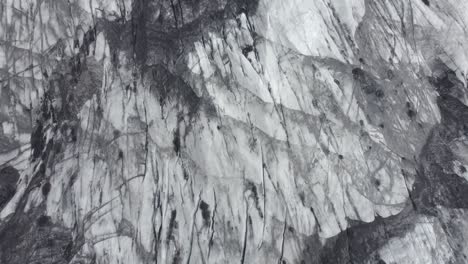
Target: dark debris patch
{"type": "Point", "coordinates": [22, 241]}
{"type": "Point", "coordinates": [9, 176]}
{"type": "Point", "coordinates": [437, 184]}
{"type": "Point", "coordinates": [177, 25]}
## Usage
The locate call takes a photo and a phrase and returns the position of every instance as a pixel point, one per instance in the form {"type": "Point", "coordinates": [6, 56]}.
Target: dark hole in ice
{"type": "Point", "coordinates": [340, 157]}
{"type": "Point", "coordinates": [37, 141]}
{"type": "Point", "coordinates": [46, 188]}
{"type": "Point", "coordinates": [43, 220]}
{"type": "Point", "coordinates": [247, 49]}
{"type": "Point", "coordinates": [205, 210]}
{"type": "Point", "coordinates": [411, 113]}
{"type": "Point", "coordinates": [377, 183]}
{"type": "Point", "coordinates": [116, 133]}
{"type": "Point", "coordinates": [73, 134]}
{"type": "Point", "coordinates": [426, 2]}
{"type": "Point", "coordinates": [381, 125]}
{"type": "Point", "coordinates": [357, 73]}
{"type": "Point", "coordinates": [176, 142]}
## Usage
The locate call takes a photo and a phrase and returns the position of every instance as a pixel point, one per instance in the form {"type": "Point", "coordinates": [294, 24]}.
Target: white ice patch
{"type": "Point", "coordinates": [8, 128]}
{"type": "Point", "coordinates": [427, 241]}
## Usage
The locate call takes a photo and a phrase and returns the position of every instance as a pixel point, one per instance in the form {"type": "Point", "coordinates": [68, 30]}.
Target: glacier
{"type": "Point", "coordinates": [233, 131]}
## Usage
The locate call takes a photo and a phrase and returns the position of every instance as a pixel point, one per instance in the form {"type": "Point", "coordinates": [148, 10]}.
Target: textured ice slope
{"type": "Point", "coordinates": [227, 131]}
